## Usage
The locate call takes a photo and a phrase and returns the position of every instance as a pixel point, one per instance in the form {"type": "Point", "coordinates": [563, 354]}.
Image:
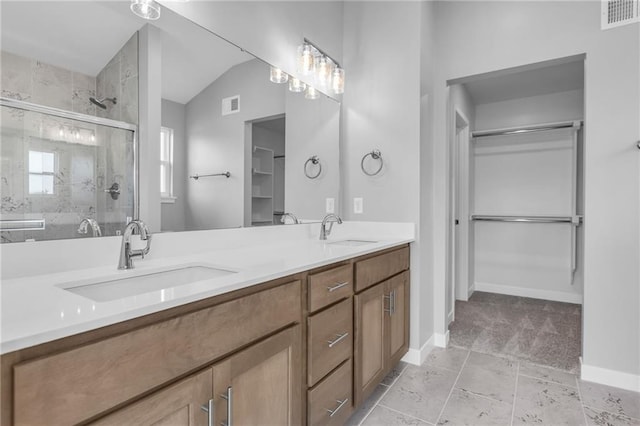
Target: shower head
{"type": "Point", "coordinates": [100, 102]}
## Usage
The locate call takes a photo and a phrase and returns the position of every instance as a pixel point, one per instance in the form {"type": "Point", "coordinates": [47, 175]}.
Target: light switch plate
{"type": "Point", "coordinates": [331, 205]}
{"type": "Point", "coordinates": [357, 205]}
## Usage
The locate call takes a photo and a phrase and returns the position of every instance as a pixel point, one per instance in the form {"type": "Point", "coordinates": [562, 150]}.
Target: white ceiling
{"type": "Point", "coordinates": [524, 84]}
{"type": "Point", "coordinates": [84, 35]}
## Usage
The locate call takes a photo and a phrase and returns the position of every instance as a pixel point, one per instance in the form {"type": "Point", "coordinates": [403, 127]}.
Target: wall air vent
{"type": "Point", "coordinates": [619, 12]}
{"type": "Point", "coordinates": [231, 105]}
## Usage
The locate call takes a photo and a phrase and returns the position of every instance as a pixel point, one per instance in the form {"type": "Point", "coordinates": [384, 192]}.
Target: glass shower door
{"type": "Point", "coordinates": [56, 172]}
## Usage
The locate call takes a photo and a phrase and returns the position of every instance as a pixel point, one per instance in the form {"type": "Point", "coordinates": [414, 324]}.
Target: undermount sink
{"type": "Point", "coordinates": [115, 287]}
{"type": "Point", "coordinates": [352, 243]}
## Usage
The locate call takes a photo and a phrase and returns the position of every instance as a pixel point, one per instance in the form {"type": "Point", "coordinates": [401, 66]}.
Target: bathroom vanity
{"type": "Point", "coordinates": [304, 348]}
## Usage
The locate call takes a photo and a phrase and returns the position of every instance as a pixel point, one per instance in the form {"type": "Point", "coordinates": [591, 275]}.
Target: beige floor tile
{"type": "Point", "coordinates": [382, 416]}
{"type": "Point", "coordinates": [597, 417]}
{"type": "Point", "coordinates": [366, 406]}
{"type": "Point", "coordinates": [546, 403]}
{"type": "Point", "coordinates": [610, 399]}
{"type": "Point", "coordinates": [489, 376]}
{"type": "Point", "coordinates": [450, 358]}
{"type": "Point", "coordinates": [420, 392]}
{"type": "Point", "coordinates": [464, 408]}
{"type": "Point", "coordinates": [548, 374]}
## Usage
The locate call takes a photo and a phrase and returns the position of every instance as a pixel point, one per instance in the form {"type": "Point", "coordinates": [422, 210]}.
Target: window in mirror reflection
{"type": "Point", "coordinates": [41, 172]}
{"type": "Point", "coordinates": [166, 165]}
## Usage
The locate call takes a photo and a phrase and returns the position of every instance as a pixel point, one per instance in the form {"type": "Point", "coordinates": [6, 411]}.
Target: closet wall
{"type": "Point", "coordinates": [526, 174]}
{"type": "Point", "coordinates": [529, 174]}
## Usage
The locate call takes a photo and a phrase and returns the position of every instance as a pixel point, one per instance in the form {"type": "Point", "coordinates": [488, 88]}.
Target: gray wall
{"type": "Point", "coordinates": [312, 129]}
{"type": "Point", "coordinates": [381, 110]}
{"type": "Point", "coordinates": [173, 217]}
{"type": "Point", "coordinates": [216, 143]}
{"type": "Point", "coordinates": [271, 30]}
{"type": "Point", "coordinates": [548, 30]}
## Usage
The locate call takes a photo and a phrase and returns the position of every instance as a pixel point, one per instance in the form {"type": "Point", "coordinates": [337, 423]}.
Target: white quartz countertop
{"type": "Point", "coordinates": [37, 309]}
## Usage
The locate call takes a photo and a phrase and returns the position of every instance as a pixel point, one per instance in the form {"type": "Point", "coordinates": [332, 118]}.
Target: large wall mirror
{"type": "Point", "coordinates": [235, 148]}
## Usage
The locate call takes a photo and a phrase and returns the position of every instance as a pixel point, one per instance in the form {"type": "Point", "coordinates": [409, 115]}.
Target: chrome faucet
{"type": "Point", "coordinates": [95, 228]}
{"type": "Point", "coordinates": [126, 253]}
{"type": "Point", "coordinates": [291, 215]}
{"type": "Point", "coordinates": [328, 219]}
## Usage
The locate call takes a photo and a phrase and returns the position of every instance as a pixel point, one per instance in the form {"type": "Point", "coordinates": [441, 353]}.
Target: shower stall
{"type": "Point", "coordinates": [61, 168]}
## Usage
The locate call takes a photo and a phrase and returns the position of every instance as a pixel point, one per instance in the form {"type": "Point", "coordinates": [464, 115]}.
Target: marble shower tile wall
{"type": "Point", "coordinates": [34, 81]}
{"type": "Point", "coordinates": [119, 79]}
{"type": "Point", "coordinates": [83, 170]}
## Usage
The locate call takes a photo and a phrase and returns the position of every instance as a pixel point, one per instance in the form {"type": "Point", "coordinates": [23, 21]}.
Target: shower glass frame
{"type": "Point", "coordinates": [90, 119]}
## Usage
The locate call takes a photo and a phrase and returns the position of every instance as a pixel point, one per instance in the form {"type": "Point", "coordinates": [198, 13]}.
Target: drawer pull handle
{"type": "Point", "coordinates": [332, 343]}
{"type": "Point", "coordinates": [337, 286]}
{"type": "Point", "coordinates": [229, 398]}
{"type": "Point", "coordinates": [392, 302]}
{"type": "Point", "coordinates": [208, 408]}
{"type": "Point", "coordinates": [341, 404]}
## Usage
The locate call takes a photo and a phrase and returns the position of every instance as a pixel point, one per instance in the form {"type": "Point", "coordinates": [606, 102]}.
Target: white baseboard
{"type": "Point", "coordinates": [470, 290]}
{"type": "Point", "coordinates": [608, 377]}
{"type": "Point", "coordinates": [450, 318]}
{"type": "Point", "coordinates": [558, 296]}
{"type": "Point", "coordinates": [418, 356]}
{"type": "Point", "coordinates": [441, 340]}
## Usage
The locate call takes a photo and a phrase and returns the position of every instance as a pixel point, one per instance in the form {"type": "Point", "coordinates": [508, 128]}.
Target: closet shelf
{"type": "Point", "coordinates": [575, 220]}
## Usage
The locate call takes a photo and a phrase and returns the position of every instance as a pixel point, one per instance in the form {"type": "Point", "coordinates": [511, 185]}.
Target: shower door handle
{"type": "Point", "coordinates": [114, 191]}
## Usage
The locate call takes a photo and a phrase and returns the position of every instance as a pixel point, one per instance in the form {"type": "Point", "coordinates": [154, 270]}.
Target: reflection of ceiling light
{"type": "Point", "coordinates": [278, 76]}
{"type": "Point", "coordinates": [296, 85]}
{"type": "Point", "coordinates": [311, 93]}
{"type": "Point", "coordinates": [324, 69]}
{"type": "Point", "coordinates": [305, 59]}
{"type": "Point", "coordinates": [337, 81]}
{"type": "Point", "coordinates": [147, 9]}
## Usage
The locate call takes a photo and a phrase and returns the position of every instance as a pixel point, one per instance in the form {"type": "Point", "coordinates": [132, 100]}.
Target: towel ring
{"type": "Point", "coordinates": [376, 155]}
{"type": "Point", "coordinates": [315, 160]}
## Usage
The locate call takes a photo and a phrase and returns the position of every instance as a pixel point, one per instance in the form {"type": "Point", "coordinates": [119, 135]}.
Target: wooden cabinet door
{"type": "Point", "coordinates": [261, 385]}
{"type": "Point", "coordinates": [397, 289]}
{"type": "Point", "coordinates": [176, 405]}
{"type": "Point", "coordinates": [370, 341]}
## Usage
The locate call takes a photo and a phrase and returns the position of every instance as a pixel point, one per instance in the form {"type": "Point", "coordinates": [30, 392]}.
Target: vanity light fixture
{"type": "Point", "coordinates": [306, 58]}
{"type": "Point", "coordinates": [147, 9]}
{"type": "Point", "coordinates": [328, 74]}
{"type": "Point", "coordinates": [278, 76]}
{"type": "Point", "coordinates": [323, 71]}
{"type": "Point", "coordinates": [311, 93]}
{"type": "Point", "coordinates": [337, 81]}
{"type": "Point", "coordinates": [296, 85]}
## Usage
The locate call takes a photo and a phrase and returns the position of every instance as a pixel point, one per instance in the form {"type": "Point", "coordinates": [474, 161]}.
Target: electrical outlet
{"type": "Point", "coordinates": [331, 205]}
{"type": "Point", "coordinates": [357, 205]}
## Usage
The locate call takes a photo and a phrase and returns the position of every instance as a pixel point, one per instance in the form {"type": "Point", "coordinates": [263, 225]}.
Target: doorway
{"type": "Point", "coordinates": [459, 207]}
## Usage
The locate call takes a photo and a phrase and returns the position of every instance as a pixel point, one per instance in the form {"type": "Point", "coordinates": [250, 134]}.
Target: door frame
{"type": "Point", "coordinates": [459, 205]}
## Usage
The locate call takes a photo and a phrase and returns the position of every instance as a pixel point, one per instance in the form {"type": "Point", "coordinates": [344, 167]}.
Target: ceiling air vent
{"type": "Point", "coordinates": [231, 105]}
{"type": "Point", "coordinates": [619, 12]}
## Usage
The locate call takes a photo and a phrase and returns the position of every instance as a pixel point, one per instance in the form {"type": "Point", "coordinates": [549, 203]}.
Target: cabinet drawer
{"type": "Point", "coordinates": [71, 386]}
{"type": "Point", "coordinates": [330, 340]}
{"type": "Point", "coordinates": [329, 286]}
{"type": "Point", "coordinates": [331, 402]}
{"type": "Point", "coordinates": [376, 269]}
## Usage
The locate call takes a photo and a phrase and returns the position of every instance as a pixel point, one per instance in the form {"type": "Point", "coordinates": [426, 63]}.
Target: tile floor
{"type": "Point", "coordinates": [457, 386]}
{"type": "Point", "coordinates": [534, 330]}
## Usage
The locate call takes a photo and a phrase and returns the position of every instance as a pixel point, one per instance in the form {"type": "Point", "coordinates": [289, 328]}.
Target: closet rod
{"type": "Point", "coordinates": [531, 219]}
{"type": "Point", "coordinates": [527, 129]}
